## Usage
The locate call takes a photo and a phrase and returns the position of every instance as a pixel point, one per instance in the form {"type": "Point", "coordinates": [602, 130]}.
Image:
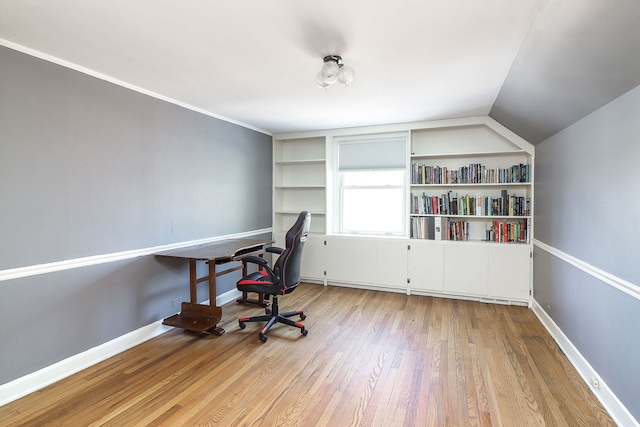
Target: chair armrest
{"type": "Point", "coordinates": [254, 260]}
{"type": "Point", "coordinates": [262, 263]}
{"type": "Point", "coordinates": [274, 249]}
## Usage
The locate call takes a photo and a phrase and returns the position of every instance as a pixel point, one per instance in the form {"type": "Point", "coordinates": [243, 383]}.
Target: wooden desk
{"type": "Point", "coordinates": [200, 317]}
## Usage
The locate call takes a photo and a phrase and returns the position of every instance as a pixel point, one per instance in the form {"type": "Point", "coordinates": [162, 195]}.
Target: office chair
{"type": "Point", "coordinates": [282, 279]}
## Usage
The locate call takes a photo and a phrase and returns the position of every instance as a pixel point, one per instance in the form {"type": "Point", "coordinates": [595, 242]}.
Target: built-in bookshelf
{"type": "Point", "coordinates": [299, 182]}
{"type": "Point", "coordinates": [469, 210]}
{"type": "Point", "coordinates": [469, 184]}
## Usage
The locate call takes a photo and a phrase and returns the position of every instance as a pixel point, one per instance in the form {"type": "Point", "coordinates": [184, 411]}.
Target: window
{"type": "Point", "coordinates": [371, 185]}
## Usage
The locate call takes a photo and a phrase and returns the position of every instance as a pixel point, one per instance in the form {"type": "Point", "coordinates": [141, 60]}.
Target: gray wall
{"type": "Point", "coordinates": [587, 204]}
{"type": "Point", "coordinates": [91, 168]}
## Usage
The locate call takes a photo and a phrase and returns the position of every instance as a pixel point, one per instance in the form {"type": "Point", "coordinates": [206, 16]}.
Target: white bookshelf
{"type": "Point", "coordinates": [453, 148]}
{"type": "Point", "coordinates": [471, 269]}
{"type": "Point", "coordinates": [299, 182]}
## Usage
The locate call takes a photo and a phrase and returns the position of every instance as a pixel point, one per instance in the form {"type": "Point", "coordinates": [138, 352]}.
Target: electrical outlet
{"type": "Point", "coordinates": [595, 382]}
{"type": "Point", "coordinates": [176, 302]}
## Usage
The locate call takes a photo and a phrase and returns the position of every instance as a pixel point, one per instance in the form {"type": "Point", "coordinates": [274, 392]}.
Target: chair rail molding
{"type": "Point", "coordinates": [608, 278]}
{"type": "Point", "coordinates": [33, 270]}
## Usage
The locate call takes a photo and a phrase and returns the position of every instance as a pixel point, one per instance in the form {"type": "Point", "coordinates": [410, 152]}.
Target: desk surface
{"type": "Point", "coordinates": [217, 251]}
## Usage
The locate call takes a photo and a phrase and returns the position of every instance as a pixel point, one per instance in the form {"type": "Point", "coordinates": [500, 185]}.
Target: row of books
{"type": "Point", "coordinates": [514, 232]}
{"type": "Point", "coordinates": [475, 173]}
{"type": "Point", "coordinates": [450, 204]}
{"type": "Point", "coordinates": [442, 228]}
{"type": "Point", "coordinates": [438, 228]}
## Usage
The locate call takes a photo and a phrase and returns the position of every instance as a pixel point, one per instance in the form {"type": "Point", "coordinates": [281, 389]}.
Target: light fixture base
{"type": "Point", "coordinates": [334, 58]}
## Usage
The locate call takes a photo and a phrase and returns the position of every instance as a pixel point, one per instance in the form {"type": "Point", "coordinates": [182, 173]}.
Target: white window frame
{"type": "Point", "coordinates": [339, 187]}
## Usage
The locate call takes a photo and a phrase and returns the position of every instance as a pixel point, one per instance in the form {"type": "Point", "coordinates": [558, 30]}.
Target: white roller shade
{"type": "Point", "coordinates": [387, 152]}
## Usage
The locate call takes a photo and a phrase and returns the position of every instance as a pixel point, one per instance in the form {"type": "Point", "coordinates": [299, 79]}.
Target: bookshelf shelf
{"type": "Point", "coordinates": [296, 212]}
{"type": "Point", "coordinates": [293, 187]}
{"type": "Point", "coordinates": [480, 217]}
{"type": "Point", "coordinates": [300, 162]}
{"type": "Point", "coordinates": [476, 185]}
{"type": "Point", "coordinates": [467, 154]}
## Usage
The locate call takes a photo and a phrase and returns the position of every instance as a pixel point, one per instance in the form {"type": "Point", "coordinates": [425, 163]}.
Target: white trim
{"type": "Point", "coordinates": [609, 400]}
{"type": "Point", "coordinates": [33, 270]}
{"type": "Point", "coordinates": [46, 376]}
{"type": "Point", "coordinates": [227, 297]}
{"type": "Point", "coordinates": [35, 381]}
{"type": "Point", "coordinates": [98, 75]}
{"type": "Point", "coordinates": [618, 283]}
{"type": "Point", "coordinates": [412, 126]}
{"type": "Point", "coordinates": [393, 127]}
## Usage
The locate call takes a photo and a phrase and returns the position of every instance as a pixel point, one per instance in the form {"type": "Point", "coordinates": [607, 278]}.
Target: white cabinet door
{"type": "Point", "coordinates": [509, 272]}
{"type": "Point", "coordinates": [466, 268]}
{"type": "Point", "coordinates": [340, 253]}
{"type": "Point", "coordinates": [367, 261]}
{"type": "Point", "coordinates": [426, 271]}
{"type": "Point", "coordinates": [313, 258]}
{"type": "Point", "coordinates": [391, 263]}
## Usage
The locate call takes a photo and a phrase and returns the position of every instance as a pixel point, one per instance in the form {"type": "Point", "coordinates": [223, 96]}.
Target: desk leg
{"type": "Point", "coordinates": [212, 296]}
{"type": "Point", "coordinates": [193, 282]}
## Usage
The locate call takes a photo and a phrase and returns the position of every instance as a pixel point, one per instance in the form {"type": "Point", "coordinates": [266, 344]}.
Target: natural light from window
{"type": "Point", "coordinates": [373, 202]}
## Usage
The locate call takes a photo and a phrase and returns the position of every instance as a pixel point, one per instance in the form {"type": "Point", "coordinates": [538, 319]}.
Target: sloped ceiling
{"type": "Point", "coordinates": [579, 56]}
{"type": "Point", "coordinates": [536, 66]}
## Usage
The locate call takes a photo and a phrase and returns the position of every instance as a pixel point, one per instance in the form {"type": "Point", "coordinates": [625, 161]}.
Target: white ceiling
{"type": "Point", "coordinates": [255, 61]}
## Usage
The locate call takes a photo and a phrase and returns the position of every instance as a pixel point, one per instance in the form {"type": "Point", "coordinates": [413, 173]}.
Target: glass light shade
{"type": "Point", "coordinates": [320, 81]}
{"type": "Point", "coordinates": [346, 75]}
{"type": "Point", "coordinates": [330, 71]}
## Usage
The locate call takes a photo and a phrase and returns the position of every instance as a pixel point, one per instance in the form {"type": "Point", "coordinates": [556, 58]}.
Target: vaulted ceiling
{"type": "Point", "coordinates": [536, 66]}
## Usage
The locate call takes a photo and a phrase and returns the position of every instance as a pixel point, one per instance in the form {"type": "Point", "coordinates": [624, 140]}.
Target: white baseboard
{"type": "Point", "coordinates": [616, 409]}
{"type": "Point", "coordinates": [71, 365]}
{"type": "Point", "coordinates": [227, 297]}
{"type": "Point", "coordinates": [46, 376]}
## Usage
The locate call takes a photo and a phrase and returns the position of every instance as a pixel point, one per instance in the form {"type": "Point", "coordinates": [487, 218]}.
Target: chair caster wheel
{"type": "Point", "coordinates": [304, 332]}
{"type": "Point", "coordinates": [242, 325]}
{"type": "Point", "coordinates": [303, 316]}
{"type": "Point", "coordinates": [267, 312]}
{"type": "Point", "coordinates": [263, 337]}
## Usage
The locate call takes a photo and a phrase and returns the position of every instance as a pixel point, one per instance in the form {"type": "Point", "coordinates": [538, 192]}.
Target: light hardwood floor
{"type": "Point", "coordinates": [371, 359]}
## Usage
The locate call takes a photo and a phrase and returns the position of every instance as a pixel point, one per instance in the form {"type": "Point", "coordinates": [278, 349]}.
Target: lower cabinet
{"type": "Point", "coordinates": [466, 269]}
{"type": "Point", "coordinates": [426, 259]}
{"type": "Point", "coordinates": [340, 255]}
{"type": "Point", "coordinates": [510, 272]}
{"type": "Point", "coordinates": [313, 258]}
{"type": "Point", "coordinates": [488, 271]}
{"type": "Point", "coordinates": [367, 261]}
{"type": "Point", "coordinates": [390, 262]}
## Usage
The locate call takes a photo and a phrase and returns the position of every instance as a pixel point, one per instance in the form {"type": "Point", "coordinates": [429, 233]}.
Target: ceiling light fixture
{"type": "Point", "coordinates": [333, 71]}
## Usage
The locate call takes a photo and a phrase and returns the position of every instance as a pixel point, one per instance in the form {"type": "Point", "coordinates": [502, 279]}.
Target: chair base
{"type": "Point", "coordinates": [272, 317]}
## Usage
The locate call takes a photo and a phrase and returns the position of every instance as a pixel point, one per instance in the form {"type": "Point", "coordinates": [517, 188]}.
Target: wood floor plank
{"type": "Point", "coordinates": [370, 359]}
